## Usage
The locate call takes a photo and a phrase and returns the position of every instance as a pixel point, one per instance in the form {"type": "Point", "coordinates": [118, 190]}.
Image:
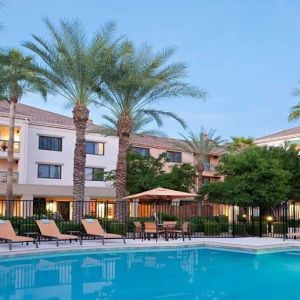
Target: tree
{"type": "Point", "coordinates": [139, 123]}
{"type": "Point", "coordinates": [73, 66]}
{"type": "Point", "coordinates": [239, 143]}
{"type": "Point", "coordinates": [18, 75]}
{"type": "Point", "coordinates": [200, 145]}
{"type": "Point", "coordinates": [258, 176]}
{"type": "Point", "coordinates": [137, 82]}
{"type": "Point", "coordinates": [145, 173]}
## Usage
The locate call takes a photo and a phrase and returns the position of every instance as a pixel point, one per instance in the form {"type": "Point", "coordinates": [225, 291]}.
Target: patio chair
{"type": "Point", "coordinates": [8, 234]}
{"type": "Point", "coordinates": [152, 229]}
{"type": "Point", "coordinates": [137, 230]}
{"type": "Point", "coordinates": [49, 229]}
{"type": "Point", "coordinates": [94, 228]}
{"type": "Point", "coordinates": [185, 230]}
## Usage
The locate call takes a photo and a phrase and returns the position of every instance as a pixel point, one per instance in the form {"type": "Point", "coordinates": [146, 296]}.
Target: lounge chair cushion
{"type": "Point", "coordinates": [45, 221]}
{"type": "Point", "coordinates": [90, 220]}
{"type": "Point", "coordinates": [2, 222]}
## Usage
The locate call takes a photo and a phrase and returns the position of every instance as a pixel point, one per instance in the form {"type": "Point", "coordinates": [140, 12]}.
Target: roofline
{"type": "Point", "coordinates": [270, 139]}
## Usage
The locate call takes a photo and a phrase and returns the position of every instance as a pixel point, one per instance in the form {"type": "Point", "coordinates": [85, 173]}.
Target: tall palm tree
{"type": "Point", "coordinates": [73, 66]}
{"type": "Point", "coordinates": [18, 75]}
{"type": "Point", "coordinates": [140, 122]}
{"type": "Point", "coordinates": [239, 143]}
{"type": "Point", "coordinates": [136, 83]}
{"type": "Point", "coordinates": [200, 145]}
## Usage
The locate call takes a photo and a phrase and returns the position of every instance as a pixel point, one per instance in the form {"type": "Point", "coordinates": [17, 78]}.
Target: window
{"type": "Point", "coordinates": [94, 148]}
{"type": "Point", "coordinates": [94, 174]}
{"type": "Point", "coordinates": [141, 151]}
{"type": "Point", "coordinates": [50, 143]}
{"type": "Point", "coordinates": [49, 171]}
{"type": "Point", "coordinates": [174, 156]}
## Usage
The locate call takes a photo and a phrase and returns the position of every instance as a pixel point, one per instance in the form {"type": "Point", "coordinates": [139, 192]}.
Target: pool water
{"type": "Point", "coordinates": [193, 274]}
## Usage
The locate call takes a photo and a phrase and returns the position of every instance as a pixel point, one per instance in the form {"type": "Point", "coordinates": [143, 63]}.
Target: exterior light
{"type": "Point", "coordinates": [269, 218]}
{"type": "Point", "coordinates": [109, 217]}
{"type": "Point", "coordinates": [244, 216]}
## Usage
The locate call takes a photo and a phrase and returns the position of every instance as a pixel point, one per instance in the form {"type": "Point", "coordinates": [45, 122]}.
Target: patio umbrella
{"type": "Point", "coordinates": [161, 194]}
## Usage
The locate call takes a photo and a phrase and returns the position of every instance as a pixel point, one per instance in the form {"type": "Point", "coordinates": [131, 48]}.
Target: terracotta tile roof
{"type": "Point", "coordinates": [281, 134]}
{"type": "Point", "coordinates": [164, 143]}
{"type": "Point", "coordinates": [37, 114]}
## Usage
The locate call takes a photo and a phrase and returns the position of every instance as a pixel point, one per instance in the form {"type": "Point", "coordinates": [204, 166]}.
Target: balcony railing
{"type": "Point", "coordinates": [209, 167]}
{"type": "Point", "coordinates": [4, 145]}
{"type": "Point", "coordinates": [3, 177]}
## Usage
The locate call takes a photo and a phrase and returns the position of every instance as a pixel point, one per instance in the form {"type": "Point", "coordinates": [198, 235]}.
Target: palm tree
{"type": "Point", "coordinates": [140, 122]}
{"type": "Point", "coordinates": [73, 66]}
{"type": "Point", "coordinates": [18, 75]}
{"type": "Point", "coordinates": [200, 145]}
{"type": "Point", "coordinates": [239, 143]}
{"type": "Point", "coordinates": [137, 82]}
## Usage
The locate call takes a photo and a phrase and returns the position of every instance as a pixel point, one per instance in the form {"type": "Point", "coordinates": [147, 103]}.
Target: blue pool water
{"type": "Point", "coordinates": [193, 274]}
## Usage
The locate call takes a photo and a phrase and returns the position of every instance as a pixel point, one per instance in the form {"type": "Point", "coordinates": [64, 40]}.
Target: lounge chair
{"type": "Point", "coordinates": [152, 229]}
{"type": "Point", "coordinates": [93, 228]}
{"type": "Point", "coordinates": [185, 230]}
{"type": "Point", "coordinates": [138, 230]}
{"type": "Point", "coordinates": [293, 235]}
{"type": "Point", "coordinates": [8, 234]}
{"type": "Point", "coordinates": [49, 229]}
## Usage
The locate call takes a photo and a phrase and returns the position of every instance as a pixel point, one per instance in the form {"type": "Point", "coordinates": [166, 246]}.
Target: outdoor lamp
{"type": "Point", "coordinates": [269, 218]}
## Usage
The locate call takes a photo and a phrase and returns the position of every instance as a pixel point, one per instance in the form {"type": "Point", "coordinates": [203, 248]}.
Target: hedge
{"type": "Point", "coordinates": [212, 229]}
{"type": "Point", "coordinates": [278, 227]}
{"type": "Point", "coordinates": [240, 229]}
{"type": "Point", "coordinates": [254, 230]}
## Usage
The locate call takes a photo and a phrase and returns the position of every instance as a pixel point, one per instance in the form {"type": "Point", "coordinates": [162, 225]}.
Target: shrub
{"type": "Point", "coordinates": [212, 229]}
{"type": "Point", "coordinates": [278, 228]}
{"type": "Point", "coordinates": [64, 227]}
{"type": "Point", "coordinates": [196, 224]}
{"type": "Point", "coordinates": [28, 227]}
{"type": "Point", "coordinates": [294, 223]}
{"type": "Point", "coordinates": [254, 229]}
{"type": "Point", "coordinates": [240, 229]}
{"type": "Point", "coordinates": [166, 217]}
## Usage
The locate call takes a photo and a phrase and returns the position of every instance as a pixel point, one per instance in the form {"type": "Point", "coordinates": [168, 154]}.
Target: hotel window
{"type": "Point", "coordinates": [173, 156]}
{"type": "Point", "coordinates": [49, 171]}
{"type": "Point", "coordinates": [141, 151]}
{"type": "Point", "coordinates": [50, 143]}
{"type": "Point", "coordinates": [94, 148]}
{"type": "Point", "coordinates": [94, 174]}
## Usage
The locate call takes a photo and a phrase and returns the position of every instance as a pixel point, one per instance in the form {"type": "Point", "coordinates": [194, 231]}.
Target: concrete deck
{"type": "Point", "coordinates": [251, 245]}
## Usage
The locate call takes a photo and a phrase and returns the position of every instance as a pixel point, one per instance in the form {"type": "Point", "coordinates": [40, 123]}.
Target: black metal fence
{"type": "Point", "coordinates": [205, 219]}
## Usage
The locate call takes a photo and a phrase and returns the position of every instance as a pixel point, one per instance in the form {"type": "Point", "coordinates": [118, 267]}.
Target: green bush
{"type": "Point", "coordinates": [66, 226]}
{"type": "Point", "coordinates": [240, 229]}
{"type": "Point", "coordinates": [212, 229]}
{"type": "Point", "coordinates": [254, 230]}
{"type": "Point", "coordinates": [118, 228]}
{"type": "Point", "coordinates": [278, 227]}
{"type": "Point", "coordinates": [196, 224]}
{"type": "Point", "coordinates": [28, 227]}
{"type": "Point", "coordinates": [294, 223]}
{"type": "Point", "coordinates": [166, 217]}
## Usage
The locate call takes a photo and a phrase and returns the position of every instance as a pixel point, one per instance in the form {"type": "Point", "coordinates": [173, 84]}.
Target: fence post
{"type": "Point", "coordinates": [260, 223]}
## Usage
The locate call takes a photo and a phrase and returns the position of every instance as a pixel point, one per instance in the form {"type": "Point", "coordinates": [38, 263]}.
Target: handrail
{"type": "Point", "coordinates": [3, 177]}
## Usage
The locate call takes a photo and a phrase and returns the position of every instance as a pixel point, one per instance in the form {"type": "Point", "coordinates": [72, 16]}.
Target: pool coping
{"type": "Point", "coordinates": [232, 247]}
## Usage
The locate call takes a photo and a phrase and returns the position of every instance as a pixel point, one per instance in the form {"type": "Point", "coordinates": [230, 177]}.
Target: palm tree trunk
{"type": "Point", "coordinates": [199, 169]}
{"type": "Point", "coordinates": [10, 157]}
{"type": "Point", "coordinates": [80, 117]}
{"type": "Point", "coordinates": [122, 205]}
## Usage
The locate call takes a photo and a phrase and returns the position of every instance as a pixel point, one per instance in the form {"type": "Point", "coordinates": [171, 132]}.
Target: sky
{"type": "Point", "coordinates": [244, 54]}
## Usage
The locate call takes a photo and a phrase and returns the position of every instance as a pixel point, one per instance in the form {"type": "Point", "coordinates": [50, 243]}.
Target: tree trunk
{"type": "Point", "coordinates": [199, 168]}
{"type": "Point", "coordinates": [10, 157]}
{"type": "Point", "coordinates": [80, 117]}
{"type": "Point", "coordinates": [122, 205]}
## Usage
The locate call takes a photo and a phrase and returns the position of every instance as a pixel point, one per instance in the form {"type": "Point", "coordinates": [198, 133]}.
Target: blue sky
{"type": "Point", "coordinates": [245, 54]}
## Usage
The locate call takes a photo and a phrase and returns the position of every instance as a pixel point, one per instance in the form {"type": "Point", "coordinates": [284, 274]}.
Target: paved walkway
{"type": "Point", "coordinates": [251, 244]}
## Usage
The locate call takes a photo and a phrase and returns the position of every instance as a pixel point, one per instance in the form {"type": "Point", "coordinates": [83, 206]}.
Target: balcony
{"type": "Point", "coordinates": [209, 167]}
{"type": "Point", "coordinates": [4, 144]}
{"type": "Point", "coordinates": [3, 177]}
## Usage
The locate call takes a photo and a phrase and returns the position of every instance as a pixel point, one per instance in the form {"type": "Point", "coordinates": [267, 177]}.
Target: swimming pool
{"type": "Point", "coordinates": [193, 274]}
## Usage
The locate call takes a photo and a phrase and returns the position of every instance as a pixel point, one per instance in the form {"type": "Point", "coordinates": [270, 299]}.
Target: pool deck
{"type": "Point", "coordinates": [250, 245]}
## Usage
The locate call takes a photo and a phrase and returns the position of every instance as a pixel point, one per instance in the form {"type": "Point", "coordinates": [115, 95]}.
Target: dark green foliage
{"type": "Point", "coordinates": [212, 229]}
{"type": "Point", "coordinates": [145, 173]}
{"type": "Point", "coordinates": [254, 229]}
{"type": "Point", "coordinates": [28, 227]}
{"type": "Point", "coordinates": [278, 227]}
{"type": "Point", "coordinates": [240, 229]}
{"type": "Point", "coordinates": [64, 227]}
{"type": "Point", "coordinates": [257, 176]}
{"type": "Point", "coordinates": [294, 223]}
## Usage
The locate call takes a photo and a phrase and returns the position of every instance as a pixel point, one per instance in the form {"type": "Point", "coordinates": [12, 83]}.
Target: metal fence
{"type": "Point", "coordinates": [205, 219]}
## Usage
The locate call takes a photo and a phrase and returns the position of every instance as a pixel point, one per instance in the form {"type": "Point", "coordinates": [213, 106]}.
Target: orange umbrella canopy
{"type": "Point", "coordinates": [161, 194]}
